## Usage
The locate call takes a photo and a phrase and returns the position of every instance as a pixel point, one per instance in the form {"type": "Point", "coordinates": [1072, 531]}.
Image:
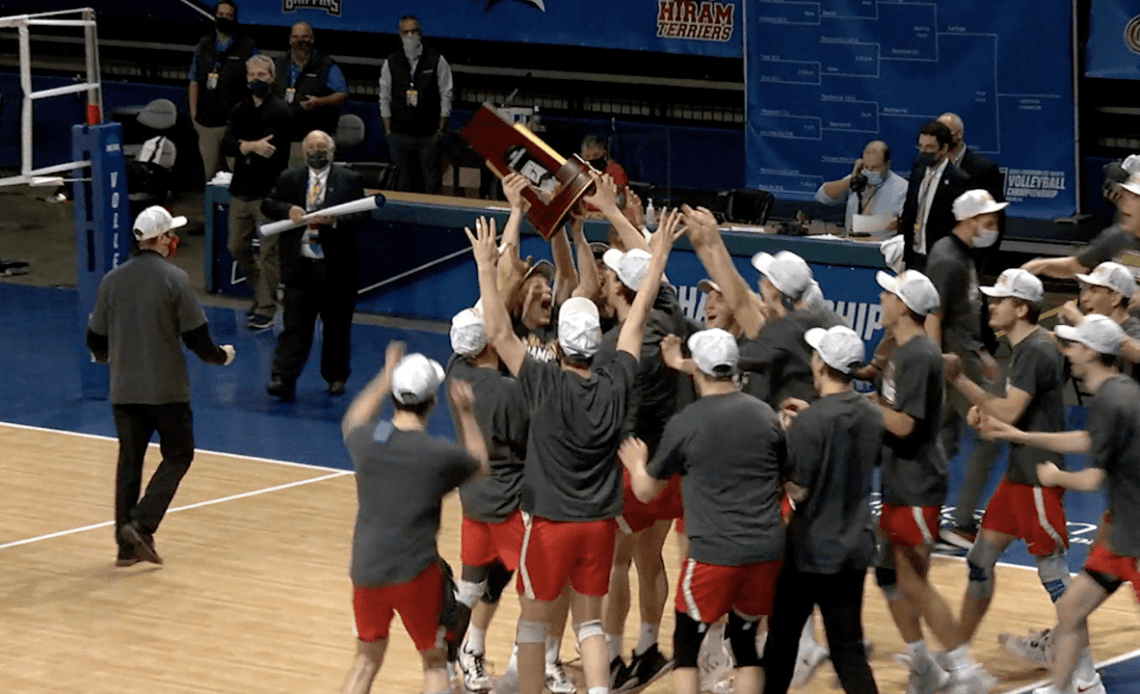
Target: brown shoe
{"type": "Point", "coordinates": [127, 561]}
{"type": "Point", "coordinates": [144, 551]}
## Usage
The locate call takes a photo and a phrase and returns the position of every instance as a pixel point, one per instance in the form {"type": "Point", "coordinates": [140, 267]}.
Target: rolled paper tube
{"type": "Point", "coordinates": [366, 204]}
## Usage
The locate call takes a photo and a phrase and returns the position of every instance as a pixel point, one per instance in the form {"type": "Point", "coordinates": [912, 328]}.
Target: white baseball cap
{"type": "Point", "coordinates": [579, 330]}
{"type": "Point", "coordinates": [813, 296]}
{"type": "Point", "coordinates": [787, 272]}
{"type": "Point", "coordinates": [976, 202]}
{"type": "Point", "coordinates": [914, 288]}
{"type": "Point", "coordinates": [715, 352]}
{"type": "Point", "coordinates": [1018, 283]}
{"type": "Point", "coordinates": [1113, 276]}
{"type": "Point", "coordinates": [1099, 333]}
{"type": "Point", "coordinates": [416, 379]}
{"type": "Point", "coordinates": [707, 285]}
{"type": "Point", "coordinates": [468, 333]}
{"type": "Point", "coordinates": [839, 347]}
{"type": "Point", "coordinates": [155, 221]}
{"type": "Point", "coordinates": [1132, 185]}
{"type": "Point", "coordinates": [631, 267]}
{"type": "Point", "coordinates": [540, 266]}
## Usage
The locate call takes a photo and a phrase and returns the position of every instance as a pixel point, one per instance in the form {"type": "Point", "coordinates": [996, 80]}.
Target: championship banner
{"type": "Point", "coordinates": [1113, 47]}
{"type": "Point", "coordinates": [823, 79]}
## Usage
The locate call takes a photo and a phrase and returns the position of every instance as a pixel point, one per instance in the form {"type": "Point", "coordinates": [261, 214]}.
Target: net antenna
{"type": "Point", "coordinates": [80, 18]}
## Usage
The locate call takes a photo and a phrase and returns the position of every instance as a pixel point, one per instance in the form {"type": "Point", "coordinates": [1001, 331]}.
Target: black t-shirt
{"type": "Point", "coordinates": [503, 419]}
{"type": "Point", "coordinates": [729, 451]}
{"type": "Point", "coordinates": [254, 175]}
{"type": "Point", "coordinates": [401, 479]}
{"type": "Point", "coordinates": [777, 362]}
{"type": "Point", "coordinates": [833, 449]}
{"type": "Point", "coordinates": [575, 428]}
{"type": "Point", "coordinates": [1114, 427]}
{"type": "Point", "coordinates": [1037, 368]}
{"type": "Point", "coordinates": [954, 274]}
{"type": "Point", "coordinates": [914, 467]}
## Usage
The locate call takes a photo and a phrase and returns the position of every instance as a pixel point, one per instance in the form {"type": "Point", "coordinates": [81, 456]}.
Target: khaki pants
{"type": "Point", "coordinates": [210, 147]}
{"type": "Point", "coordinates": [262, 269]}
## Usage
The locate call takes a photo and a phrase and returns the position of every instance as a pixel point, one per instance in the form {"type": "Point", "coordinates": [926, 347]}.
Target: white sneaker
{"type": "Point", "coordinates": [971, 679]}
{"type": "Point", "coordinates": [807, 661]}
{"type": "Point", "coordinates": [1093, 686]}
{"type": "Point", "coordinates": [557, 681]}
{"type": "Point", "coordinates": [508, 682]}
{"type": "Point", "coordinates": [1048, 689]}
{"type": "Point", "coordinates": [713, 665]}
{"type": "Point", "coordinates": [1035, 647]}
{"type": "Point", "coordinates": [930, 680]}
{"type": "Point", "coordinates": [475, 677]}
{"type": "Point", "coordinates": [725, 686]}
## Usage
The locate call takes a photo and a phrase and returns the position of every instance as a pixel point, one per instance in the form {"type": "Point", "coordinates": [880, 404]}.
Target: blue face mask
{"type": "Point", "coordinates": [873, 177]}
{"type": "Point", "coordinates": [259, 88]}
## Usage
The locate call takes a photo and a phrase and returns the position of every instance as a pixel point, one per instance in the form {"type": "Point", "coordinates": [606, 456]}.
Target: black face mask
{"type": "Point", "coordinates": [302, 46]}
{"type": "Point", "coordinates": [259, 88]}
{"type": "Point", "coordinates": [599, 163]}
{"type": "Point", "coordinates": [317, 160]}
{"type": "Point", "coordinates": [927, 159]}
{"type": "Point", "coordinates": [225, 24]}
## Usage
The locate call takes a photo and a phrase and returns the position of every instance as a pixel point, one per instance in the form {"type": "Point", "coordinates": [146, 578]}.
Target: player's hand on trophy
{"type": "Point", "coordinates": [513, 186]}
{"type": "Point", "coordinates": [604, 196]}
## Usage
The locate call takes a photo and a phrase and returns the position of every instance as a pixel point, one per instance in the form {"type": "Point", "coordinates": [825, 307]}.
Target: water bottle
{"type": "Point", "coordinates": [650, 216]}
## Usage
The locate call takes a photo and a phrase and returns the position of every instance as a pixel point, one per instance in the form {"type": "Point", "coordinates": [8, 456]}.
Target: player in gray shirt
{"type": "Point", "coordinates": [1108, 291]}
{"type": "Point", "coordinates": [144, 310]}
{"type": "Point", "coordinates": [834, 446]}
{"type": "Point", "coordinates": [729, 450]}
{"type": "Point", "coordinates": [402, 475]}
{"type": "Point", "coordinates": [1114, 464]}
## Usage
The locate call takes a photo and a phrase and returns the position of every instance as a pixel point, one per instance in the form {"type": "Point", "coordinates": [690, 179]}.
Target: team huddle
{"type": "Point", "coordinates": [592, 418]}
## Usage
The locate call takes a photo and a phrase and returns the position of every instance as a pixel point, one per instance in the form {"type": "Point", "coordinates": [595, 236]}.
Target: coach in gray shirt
{"type": "Point", "coordinates": [144, 309]}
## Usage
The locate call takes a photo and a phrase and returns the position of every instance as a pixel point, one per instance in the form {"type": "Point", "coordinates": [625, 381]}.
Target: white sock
{"type": "Point", "coordinates": [647, 638]}
{"type": "Point", "coordinates": [959, 657]}
{"type": "Point", "coordinates": [919, 656]}
{"type": "Point", "coordinates": [1086, 668]}
{"type": "Point", "coordinates": [513, 663]}
{"type": "Point", "coordinates": [476, 641]}
{"type": "Point", "coordinates": [807, 635]}
{"type": "Point", "coordinates": [552, 644]}
{"type": "Point", "coordinates": [598, 690]}
{"type": "Point", "coordinates": [614, 642]}
{"type": "Point", "coordinates": [716, 635]}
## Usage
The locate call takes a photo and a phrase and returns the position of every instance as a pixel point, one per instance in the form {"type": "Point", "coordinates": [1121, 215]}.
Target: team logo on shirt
{"type": "Point", "coordinates": [330, 7]}
{"type": "Point", "coordinates": [700, 21]}
{"type": "Point", "coordinates": [1132, 34]}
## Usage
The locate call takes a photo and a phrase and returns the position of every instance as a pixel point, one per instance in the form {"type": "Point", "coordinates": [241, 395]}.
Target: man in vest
{"type": "Point", "coordinates": [313, 85]}
{"type": "Point", "coordinates": [415, 103]}
{"type": "Point", "coordinates": [218, 82]}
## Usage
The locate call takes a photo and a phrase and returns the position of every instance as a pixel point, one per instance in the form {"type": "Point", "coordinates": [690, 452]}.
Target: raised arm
{"type": "Point", "coordinates": [565, 276]}
{"type": "Point", "coordinates": [589, 282]}
{"type": "Point", "coordinates": [499, 333]}
{"type": "Point", "coordinates": [629, 340]}
{"type": "Point", "coordinates": [513, 186]}
{"type": "Point", "coordinates": [709, 247]}
{"type": "Point", "coordinates": [468, 433]}
{"type": "Point", "coordinates": [1060, 268]}
{"type": "Point", "coordinates": [604, 198]}
{"type": "Point", "coordinates": [365, 407]}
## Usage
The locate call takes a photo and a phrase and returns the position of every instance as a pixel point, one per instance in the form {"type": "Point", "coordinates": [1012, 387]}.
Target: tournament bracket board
{"type": "Point", "coordinates": [823, 78]}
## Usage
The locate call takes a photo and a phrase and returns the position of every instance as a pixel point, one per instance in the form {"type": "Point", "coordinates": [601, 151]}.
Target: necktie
{"type": "Point", "coordinates": [310, 243]}
{"type": "Point", "coordinates": [314, 193]}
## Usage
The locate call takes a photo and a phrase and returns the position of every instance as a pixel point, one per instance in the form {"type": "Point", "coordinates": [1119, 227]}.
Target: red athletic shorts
{"type": "Point", "coordinates": [1034, 514]}
{"type": "Point", "coordinates": [417, 601]}
{"type": "Point", "coordinates": [1102, 560]}
{"type": "Point", "coordinates": [483, 543]}
{"type": "Point", "coordinates": [636, 516]}
{"type": "Point", "coordinates": [786, 509]}
{"type": "Point", "coordinates": [554, 552]}
{"type": "Point", "coordinates": [909, 526]}
{"type": "Point", "coordinates": [707, 592]}
{"type": "Point", "coordinates": [679, 526]}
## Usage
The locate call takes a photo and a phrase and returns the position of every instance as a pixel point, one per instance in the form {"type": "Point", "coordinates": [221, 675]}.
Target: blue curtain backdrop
{"type": "Point", "coordinates": [1113, 48]}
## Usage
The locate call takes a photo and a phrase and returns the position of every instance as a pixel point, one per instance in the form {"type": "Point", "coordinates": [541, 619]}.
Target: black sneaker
{"type": "Point", "coordinates": [621, 675]}
{"type": "Point", "coordinates": [281, 389]}
{"type": "Point", "coordinates": [144, 549]}
{"type": "Point", "coordinates": [648, 668]}
{"type": "Point", "coordinates": [260, 322]}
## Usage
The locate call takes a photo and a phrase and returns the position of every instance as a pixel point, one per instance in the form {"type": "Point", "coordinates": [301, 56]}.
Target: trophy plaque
{"type": "Point", "coordinates": [556, 183]}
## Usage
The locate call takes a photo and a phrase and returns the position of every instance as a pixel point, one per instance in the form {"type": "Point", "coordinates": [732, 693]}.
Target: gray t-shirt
{"type": "Point", "coordinates": [143, 307]}
{"type": "Point", "coordinates": [954, 274]}
{"type": "Point", "coordinates": [1115, 244]}
{"type": "Point", "coordinates": [1131, 327]}
{"type": "Point", "coordinates": [914, 467]}
{"type": "Point", "coordinates": [777, 362]}
{"type": "Point", "coordinates": [729, 451]}
{"type": "Point", "coordinates": [1037, 368]}
{"type": "Point", "coordinates": [833, 449]}
{"type": "Point", "coordinates": [572, 473]}
{"type": "Point", "coordinates": [401, 479]}
{"type": "Point", "coordinates": [1114, 427]}
{"type": "Point", "coordinates": [503, 419]}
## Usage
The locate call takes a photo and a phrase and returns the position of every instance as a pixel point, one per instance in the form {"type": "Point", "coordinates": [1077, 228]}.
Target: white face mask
{"type": "Point", "coordinates": [413, 45]}
{"type": "Point", "coordinates": [873, 177]}
{"type": "Point", "coordinates": [986, 237]}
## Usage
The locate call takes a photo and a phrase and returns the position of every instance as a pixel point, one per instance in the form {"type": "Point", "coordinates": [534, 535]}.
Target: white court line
{"type": "Point", "coordinates": [200, 504]}
{"type": "Point", "coordinates": [239, 456]}
{"type": "Point", "coordinates": [1105, 663]}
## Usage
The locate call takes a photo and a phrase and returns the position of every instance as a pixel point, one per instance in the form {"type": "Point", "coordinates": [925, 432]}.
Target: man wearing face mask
{"type": "Point", "coordinates": [217, 82]}
{"type": "Point", "coordinates": [415, 103]}
{"type": "Point", "coordinates": [318, 266]}
{"type": "Point", "coordinates": [870, 189]}
{"type": "Point", "coordinates": [956, 329]}
{"type": "Point", "coordinates": [313, 84]}
{"type": "Point", "coordinates": [144, 311]}
{"type": "Point", "coordinates": [257, 135]}
{"type": "Point", "coordinates": [594, 151]}
{"type": "Point", "coordinates": [983, 173]}
{"type": "Point", "coordinates": [935, 183]}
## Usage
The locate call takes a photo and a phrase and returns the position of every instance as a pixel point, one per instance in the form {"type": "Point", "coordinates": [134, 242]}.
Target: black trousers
{"type": "Point", "coordinates": [840, 600]}
{"type": "Point", "coordinates": [333, 299]}
{"type": "Point", "coordinates": [135, 424]}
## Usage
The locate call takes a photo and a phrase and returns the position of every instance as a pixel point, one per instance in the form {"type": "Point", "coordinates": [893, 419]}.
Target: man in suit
{"type": "Point", "coordinates": [318, 265]}
{"type": "Point", "coordinates": [983, 173]}
{"type": "Point", "coordinates": [935, 183]}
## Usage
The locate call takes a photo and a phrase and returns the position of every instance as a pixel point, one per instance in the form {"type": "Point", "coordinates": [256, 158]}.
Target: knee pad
{"type": "Point", "coordinates": [590, 629]}
{"type": "Point", "coordinates": [531, 632]}
{"type": "Point", "coordinates": [741, 634]}
{"type": "Point", "coordinates": [980, 561]}
{"type": "Point", "coordinates": [1054, 574]}
{"type": "Point", "coordinates": [467, 592]}
{"type": "Point", "coordinates": [687, 637]}
{"type": "Point", "coordinates": [499, 579]}
{"type": "Point", "coordinates": [888, 583]}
